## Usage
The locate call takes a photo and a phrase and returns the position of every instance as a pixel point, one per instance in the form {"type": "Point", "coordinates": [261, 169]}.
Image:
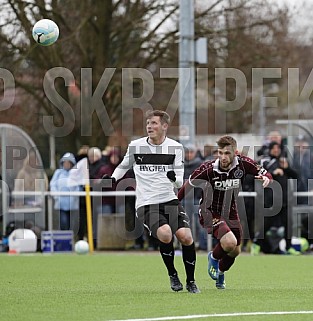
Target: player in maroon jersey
{"type": "Point", "coordinates": [221, 180]}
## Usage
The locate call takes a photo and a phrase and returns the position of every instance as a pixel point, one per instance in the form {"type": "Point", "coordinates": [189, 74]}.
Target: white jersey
{"type": "Point", "coordinates": [151, 164]}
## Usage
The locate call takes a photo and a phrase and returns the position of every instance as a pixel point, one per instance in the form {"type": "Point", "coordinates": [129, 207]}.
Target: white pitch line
{"type": "Point", "coordinates": [214, 315]}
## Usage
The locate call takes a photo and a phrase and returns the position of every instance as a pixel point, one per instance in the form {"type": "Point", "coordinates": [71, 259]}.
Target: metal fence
{"type": "Point", "coordinates": [43, 211]}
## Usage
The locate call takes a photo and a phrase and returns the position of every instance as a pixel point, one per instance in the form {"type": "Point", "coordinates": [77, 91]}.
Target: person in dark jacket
{"type": "Point", "coordinates": [273, 136]}
{"type": "Point", "coordinates": [281, 172]}
{"type": "Point", "coordinates": [302, 163]}
{"type": "Point", "coordinates": [109, 203]}
{"type": "Point", "coordinates": [191, 202]}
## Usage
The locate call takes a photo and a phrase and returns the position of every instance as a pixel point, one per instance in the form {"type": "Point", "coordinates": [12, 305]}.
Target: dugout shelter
{"type": "Point", "coordinates": [23, 179]}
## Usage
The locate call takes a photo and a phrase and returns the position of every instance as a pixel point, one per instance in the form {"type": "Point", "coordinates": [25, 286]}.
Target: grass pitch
{"type": "Point", "coordinates": [123, 285]}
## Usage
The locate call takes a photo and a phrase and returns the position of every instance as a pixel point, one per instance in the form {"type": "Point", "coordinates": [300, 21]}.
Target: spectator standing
{"type": "Point", "coordinates": [106, 152]}
{"type": "Point", "coordinates": [280, 170]}
{"type": "Point", "coordinates": [273, 136]}
{"type": "Point", "coordinates": [82, 153]}
{"type": "Point", "coordinates": [96, 164]}
{"type": "Point", "coordinates": [96, 172]}
{"type": "Point", "coordinates": [109, 203]}
{"type": "Point", "coordinates": [303, 164]}
{"type": "Point", "coordinates": [66, 205]}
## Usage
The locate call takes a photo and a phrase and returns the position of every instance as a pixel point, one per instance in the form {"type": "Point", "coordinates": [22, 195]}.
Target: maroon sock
{"type": "Point", "coordinates": [218, 252]}
{"type": "Point", "coordinates": [225, 263]}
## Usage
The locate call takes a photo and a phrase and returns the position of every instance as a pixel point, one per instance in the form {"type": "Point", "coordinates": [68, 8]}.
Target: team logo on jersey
{"type": "Point", "coordinates": [154, 159]}
{"type": "Point", "coordinates": [152, 168]}
{"type": "Point", "coordinates": [238, 173]}
{"type": "Point", "coordinates": [227, 184]}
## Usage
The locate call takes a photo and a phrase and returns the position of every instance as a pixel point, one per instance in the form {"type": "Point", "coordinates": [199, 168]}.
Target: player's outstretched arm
{"type": "Point", "coordinates": [266, 180]}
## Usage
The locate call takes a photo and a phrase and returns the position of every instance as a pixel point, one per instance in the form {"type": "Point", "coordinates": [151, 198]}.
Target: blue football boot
{"type": "Point", "coordinates": [220, 282]}
{"type": "Point", "coordinates": [212, 267]}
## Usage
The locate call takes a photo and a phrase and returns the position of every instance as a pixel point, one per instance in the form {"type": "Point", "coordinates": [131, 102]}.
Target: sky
{"type": "Point", "coordinates": [303, 22]}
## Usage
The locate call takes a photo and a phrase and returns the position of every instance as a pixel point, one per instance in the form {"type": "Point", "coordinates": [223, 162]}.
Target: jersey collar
{"type": "Point", "coordinates": [217, 162]}
{"type": "Point", "coordinates": [156, 145]}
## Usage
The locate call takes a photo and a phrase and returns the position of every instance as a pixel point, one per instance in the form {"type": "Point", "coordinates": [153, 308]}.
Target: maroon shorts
{"type": "Point", "coordinates": [221, 228]}
{"type": "Point", "coordinates": [218, 225]}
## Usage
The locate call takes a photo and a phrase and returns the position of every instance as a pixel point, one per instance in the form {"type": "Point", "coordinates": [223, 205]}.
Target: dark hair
{"type": "Point", "coordinates": [164, 116]}
{"type": "Point", "coordinates": [272, 145]}
{"type": "Point", "coordinates": [227, 141]}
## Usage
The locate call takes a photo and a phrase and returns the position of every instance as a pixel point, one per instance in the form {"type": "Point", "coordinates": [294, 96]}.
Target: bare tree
{"type": "Point", "coordinates": [245, 35]}
{"type": "Point", "coordinates": [99, 39]}
{"type": "Point", "coordinates": [94, 36]}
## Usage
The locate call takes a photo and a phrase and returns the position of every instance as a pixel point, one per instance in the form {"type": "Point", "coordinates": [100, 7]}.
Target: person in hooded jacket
{"type": "Point", "coordinates": [64, 204]}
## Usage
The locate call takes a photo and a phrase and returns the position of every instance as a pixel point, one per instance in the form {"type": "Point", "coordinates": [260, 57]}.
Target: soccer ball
{"type": "Point", "coordinates": [81, 247]}
{"type": "Point", "coordinates": [45, 32]}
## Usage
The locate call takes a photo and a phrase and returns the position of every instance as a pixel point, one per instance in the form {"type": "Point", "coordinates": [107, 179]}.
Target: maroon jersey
{"type": "Point", "coordinates": [221, 188]}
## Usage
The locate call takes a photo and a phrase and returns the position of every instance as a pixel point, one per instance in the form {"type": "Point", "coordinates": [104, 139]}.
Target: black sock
{"type": "Point", "coordinates": [167, 253]}
{"type": "Point", "coordinates": [225, 263]}
{"type": "Point", "coordinates": [189, 258]}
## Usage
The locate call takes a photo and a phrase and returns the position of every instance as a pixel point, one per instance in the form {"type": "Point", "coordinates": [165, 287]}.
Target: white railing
{"type": "Point", "coordinates": [46, 207]}
{"type": "Point", "coordinates": [49, 195]}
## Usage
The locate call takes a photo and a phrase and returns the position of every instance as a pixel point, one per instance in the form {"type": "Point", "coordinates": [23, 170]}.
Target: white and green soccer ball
{"type": "Point", "coordinates": [45, 32]}
{"type": "Point", "coordinates": [81, 247]}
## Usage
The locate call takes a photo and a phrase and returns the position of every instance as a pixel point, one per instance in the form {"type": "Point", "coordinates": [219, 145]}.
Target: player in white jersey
{"type": "Point", "coordinates": [157, 162]}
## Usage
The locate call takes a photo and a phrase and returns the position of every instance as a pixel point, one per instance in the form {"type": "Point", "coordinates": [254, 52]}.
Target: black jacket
{"type": "Point", "coordinates": [271, 164]}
